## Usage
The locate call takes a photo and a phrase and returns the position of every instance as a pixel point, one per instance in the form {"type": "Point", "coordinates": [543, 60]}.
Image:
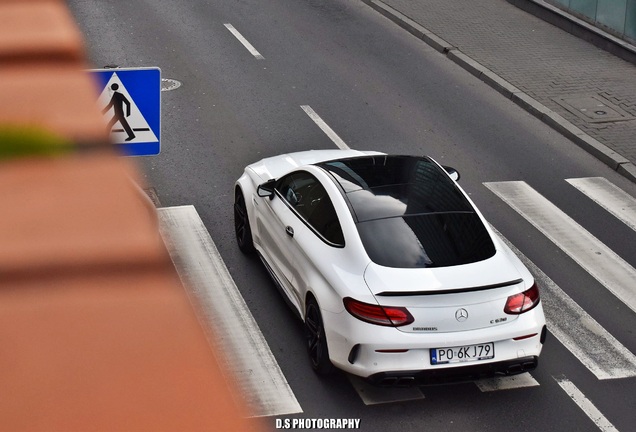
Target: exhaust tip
{"type": "Point", "coordinates": [388, 382]}
{"type": "Point", "coordinates": [405, 382]}
{"type": "Point", "coordinates": [399, 381]}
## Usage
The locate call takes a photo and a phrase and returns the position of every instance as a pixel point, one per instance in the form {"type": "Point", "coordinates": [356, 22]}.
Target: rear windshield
{"type": "Point", "coordinates": [427, 240]}
{"type": "Point", "coordinates": [409, 213]}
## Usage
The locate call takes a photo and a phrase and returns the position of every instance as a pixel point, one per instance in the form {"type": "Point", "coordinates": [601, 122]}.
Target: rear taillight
{"type": "Point", "coordinates": [381, 315]}
{"type": "Point", "coordinates": [522, 302]}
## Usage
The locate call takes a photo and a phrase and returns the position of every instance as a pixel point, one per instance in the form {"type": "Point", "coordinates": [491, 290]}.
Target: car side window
{"type": "Point", "coordinates": [304, 193]}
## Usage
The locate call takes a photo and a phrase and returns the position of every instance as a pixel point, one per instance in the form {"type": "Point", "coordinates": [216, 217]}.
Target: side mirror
{"type": "Point", "coordinates": [266, 189]}
{"type": "Point", "coordinates": [452, 172]}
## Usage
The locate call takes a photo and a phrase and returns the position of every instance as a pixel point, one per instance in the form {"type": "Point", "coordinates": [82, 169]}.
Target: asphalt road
{"type": "Point", "coordinates": [378, 88]}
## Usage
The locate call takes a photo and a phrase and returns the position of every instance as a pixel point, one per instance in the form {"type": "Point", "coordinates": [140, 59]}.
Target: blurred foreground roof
{"type": "Point", "coordinates": [96, 330]}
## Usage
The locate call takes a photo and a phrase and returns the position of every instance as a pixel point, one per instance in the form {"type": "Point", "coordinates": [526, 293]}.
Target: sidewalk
{"type": "Point", "coordinates": [585, 93]}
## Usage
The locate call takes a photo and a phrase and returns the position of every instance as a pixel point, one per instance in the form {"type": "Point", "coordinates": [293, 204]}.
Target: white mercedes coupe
{"type": "Point", "coordinates": [396, 275]}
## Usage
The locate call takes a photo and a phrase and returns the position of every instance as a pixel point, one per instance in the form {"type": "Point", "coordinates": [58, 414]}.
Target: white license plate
{"type": "Point", "coordinates": [462, 354]}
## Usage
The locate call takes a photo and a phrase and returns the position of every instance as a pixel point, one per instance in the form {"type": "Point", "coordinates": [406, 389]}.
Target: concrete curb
{"type": "Point", "coordinates": [411, 26]}
{"type": "Point", "coordinates": [606, 155]}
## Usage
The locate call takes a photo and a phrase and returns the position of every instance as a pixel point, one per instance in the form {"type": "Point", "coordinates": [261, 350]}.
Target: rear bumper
{"type": "Point", "coordinates": [384, 352]}
{"type": "Point", "coordinates": [454, 374]}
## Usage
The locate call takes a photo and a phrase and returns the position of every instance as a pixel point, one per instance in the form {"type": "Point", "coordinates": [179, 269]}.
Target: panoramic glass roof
{"type": "Point", "coordinates": [409, 213]}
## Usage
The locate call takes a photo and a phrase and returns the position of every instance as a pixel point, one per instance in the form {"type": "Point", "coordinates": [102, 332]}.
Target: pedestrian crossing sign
{"type": "Point", "coordinates": [130, 100]}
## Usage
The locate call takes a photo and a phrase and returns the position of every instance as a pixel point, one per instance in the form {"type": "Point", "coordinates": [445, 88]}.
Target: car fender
{"type": "Point", "coordinates": [248, 184]}
{"type": "Point", "coordinates": [341, 275]}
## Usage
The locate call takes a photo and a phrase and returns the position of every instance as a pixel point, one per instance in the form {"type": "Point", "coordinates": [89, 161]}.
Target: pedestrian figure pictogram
{"type": "Point", "coordinates": [130, 100]}
{"type": "Point", "coordinates": [117, 103]}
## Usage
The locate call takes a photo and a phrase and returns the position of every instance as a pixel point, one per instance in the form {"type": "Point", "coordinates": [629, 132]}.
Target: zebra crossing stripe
{"type": "Point", "coordinates": [374, 395]}
{"type": "Point", "coordinates": [586, 405]}
{"type": "Point", "coordinates": [596, 258]}
{"type": "Point", "coordinates": [263, 388]}
{"type": "Point", "coordinates": [506, 383]}
{"type": "Point", "coordinates": [609, 196]}
{"type": "Point", "coordinates": [586, 339]}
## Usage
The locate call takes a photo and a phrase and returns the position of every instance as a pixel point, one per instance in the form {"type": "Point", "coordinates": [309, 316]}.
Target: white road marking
{"type": "Point", "coordinates": [586, 405]}
{"type": "Point", "coordinates": [245, 42]}
{"type": "Point", "coordinates": [609, 196]}
{"type": "Point", "coordinates": [374, 395]}
{"type": "Point", "coordinates": [325, 127]}
{"type": "Point", "coordinates": [585, 338]}
{"type": "Point", "coordinates": [595, 257]}
{"type": "Point", "coordinates": [262, 385]}
{"type": "Point", "coordinates": [506, 383]}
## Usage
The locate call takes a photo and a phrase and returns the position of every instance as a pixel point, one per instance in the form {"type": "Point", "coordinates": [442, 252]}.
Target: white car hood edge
{"type": "Point", "coordinates": [277, 166]}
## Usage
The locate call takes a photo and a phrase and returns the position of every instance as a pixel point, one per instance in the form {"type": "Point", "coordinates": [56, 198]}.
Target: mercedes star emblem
{"type": "Point", "coordinates": [461, 315]}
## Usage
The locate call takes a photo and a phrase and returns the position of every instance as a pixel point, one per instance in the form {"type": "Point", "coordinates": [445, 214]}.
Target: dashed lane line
{"type": "Point", "coordinates": [325, 127]}
{"type": "Point", "coordinates": [244, 41]}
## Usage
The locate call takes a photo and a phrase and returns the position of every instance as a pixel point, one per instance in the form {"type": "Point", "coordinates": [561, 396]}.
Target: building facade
{"type": "Point", "coordinates": [617, 17]}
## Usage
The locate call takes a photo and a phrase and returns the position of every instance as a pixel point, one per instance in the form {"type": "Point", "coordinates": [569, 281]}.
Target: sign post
{"type": "Point", "coordinates": [130, 99]}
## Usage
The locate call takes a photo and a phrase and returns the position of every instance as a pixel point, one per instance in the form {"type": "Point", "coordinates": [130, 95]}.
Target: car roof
{"type": "Point", "coordinates": [409, 213]}
{"type": "Point", "coordinates": [383, 186]}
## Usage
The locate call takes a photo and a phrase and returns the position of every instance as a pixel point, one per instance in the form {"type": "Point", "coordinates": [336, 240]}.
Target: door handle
{"type": "Point", "coordinates": [289, 230]}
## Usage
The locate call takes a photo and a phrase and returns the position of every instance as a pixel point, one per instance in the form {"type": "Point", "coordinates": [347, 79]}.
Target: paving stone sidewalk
{"type": "Point", "coordinates": [590, 88]}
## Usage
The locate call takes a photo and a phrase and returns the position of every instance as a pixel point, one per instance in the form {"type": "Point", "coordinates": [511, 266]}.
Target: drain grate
{"type": "Point", "coordinates": [593, 108]}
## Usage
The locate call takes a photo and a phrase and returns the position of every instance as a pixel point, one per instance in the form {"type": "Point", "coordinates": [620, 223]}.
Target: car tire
{"type": "Point", "coordinates": [316, 339]}
{"type": "Point", "coordinates": [242, 224]}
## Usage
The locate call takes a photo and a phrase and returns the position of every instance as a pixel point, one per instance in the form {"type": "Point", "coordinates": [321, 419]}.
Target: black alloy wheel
{"type": "Point", "coordinates": [242, 224]}
{"type": "Point", "coordinates": [316, 340]}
